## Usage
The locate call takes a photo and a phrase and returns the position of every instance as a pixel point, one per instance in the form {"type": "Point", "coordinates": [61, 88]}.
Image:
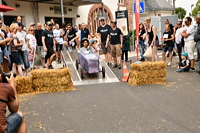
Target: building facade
{"type": "Point", "coordinates": [81, 11]}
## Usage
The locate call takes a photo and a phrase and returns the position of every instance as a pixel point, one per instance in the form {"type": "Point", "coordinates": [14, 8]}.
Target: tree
{"type": "Point", "coordinates": [181, 12]}
{"type": "Point", "coordinates": [196, 10]}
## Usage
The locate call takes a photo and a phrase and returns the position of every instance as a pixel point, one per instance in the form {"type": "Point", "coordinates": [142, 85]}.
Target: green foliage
{"type": "Point", "coordinates": [196, 10]}
{"type": "Point", "coordinates": [133, 35]}
{"type": "Point", "coordinates": [181, 12]}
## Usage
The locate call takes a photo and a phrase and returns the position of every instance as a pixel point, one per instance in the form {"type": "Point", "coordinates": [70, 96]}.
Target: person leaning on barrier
{"type": "Point", "coordinates": [14, 122]}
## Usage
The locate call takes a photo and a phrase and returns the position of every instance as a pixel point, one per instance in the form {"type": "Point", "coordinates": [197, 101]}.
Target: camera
{"type": "Point", "coordinates": [4, 75]}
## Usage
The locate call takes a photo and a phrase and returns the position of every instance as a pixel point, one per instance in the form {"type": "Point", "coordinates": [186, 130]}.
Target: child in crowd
{"type": "Point", "coordinates": [95, 45]}
{"type": "Point", "coordinates": [184, 65]}
{"type": "Point", "coordinates": [86, 48]}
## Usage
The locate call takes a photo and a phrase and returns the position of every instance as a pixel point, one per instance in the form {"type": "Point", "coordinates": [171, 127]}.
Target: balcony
{"type": "Point", "coordinates": [66, 2]}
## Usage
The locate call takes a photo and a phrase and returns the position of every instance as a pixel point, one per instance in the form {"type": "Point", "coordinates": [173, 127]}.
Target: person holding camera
{"type": "Point", "coordinates": [168, 38]}
{"type": "Point", "coordinates": [14, 122]}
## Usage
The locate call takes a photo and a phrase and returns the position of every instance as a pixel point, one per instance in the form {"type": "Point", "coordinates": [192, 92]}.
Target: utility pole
{"type": "Point", "coordinates": [62, 11]}
{"type": "Point", "coordinates": [174, 7]}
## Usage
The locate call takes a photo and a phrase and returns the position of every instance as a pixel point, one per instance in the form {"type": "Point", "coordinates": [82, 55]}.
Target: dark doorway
{"type": "Point", "coordinates": [59, 20]}
{"type": "Point", "coordinates": [8, 20]}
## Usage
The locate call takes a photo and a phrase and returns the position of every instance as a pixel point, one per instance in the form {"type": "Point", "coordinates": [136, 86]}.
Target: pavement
{"type": "Point", "coordinates": [118, 107]}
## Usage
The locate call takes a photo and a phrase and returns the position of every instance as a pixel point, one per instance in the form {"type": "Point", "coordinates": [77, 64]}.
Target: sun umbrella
{"type": "Point", "coordinates": [4, 8]}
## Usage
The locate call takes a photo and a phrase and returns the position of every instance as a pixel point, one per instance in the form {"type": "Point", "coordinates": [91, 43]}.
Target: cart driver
{"type": "Point", "coordinates": [86, 48]}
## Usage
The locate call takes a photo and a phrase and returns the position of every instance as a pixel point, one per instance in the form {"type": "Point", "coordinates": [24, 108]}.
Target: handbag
{"type": "Point", "coordinates": [148, 54]}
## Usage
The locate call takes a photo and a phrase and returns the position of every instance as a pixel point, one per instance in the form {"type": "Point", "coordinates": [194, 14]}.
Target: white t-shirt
{"type": "Point", "coordinates": [191, 32]}
{"type": "Point", "coordinates": [22, 36]}
{"type": "Point", "coordinates": [56, 34]}
{"type": "Point", "coordinates": [32, 39]}
{"type": "Point", "coordinates": [178, 36]}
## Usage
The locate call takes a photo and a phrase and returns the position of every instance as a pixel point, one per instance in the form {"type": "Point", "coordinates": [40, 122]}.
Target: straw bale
{"type": "Point", "coordinates": [41, 73]}
{"type": "Point", "coordinates": [148, 66]}
{"type": "Point", "coordinates": [133, 81]}
{"type": "Point", "coordinates": [67, 87]}
{"type": "Point", "coordinates": [23, 84]}
{"type": "Point", "coordinates": [51, 81]}
{"type": "Point", "coordinates": [148, 74]}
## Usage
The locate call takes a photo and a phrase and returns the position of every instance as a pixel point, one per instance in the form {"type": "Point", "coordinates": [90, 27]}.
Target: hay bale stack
{"type": "Point", "coordinates": [48, 80]}
{"type": "Point", "coordinates": [148, 73]}
{"type": "Point", "coordinates": [23, 84]}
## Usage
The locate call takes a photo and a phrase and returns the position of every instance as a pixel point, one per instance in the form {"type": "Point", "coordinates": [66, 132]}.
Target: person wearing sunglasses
{"type": "Point", "coordinates": [102, 32]}
{"type": "Point", "coordinates": [21, 35]}
{"type": "Point", "coordinates": [116, 40]}
{"type": "Point", "coordinates": [31, 40]}
{"type": "Point", "coordinates": [179, 39]}
{"type": "Point", "coordinates": [49, 44]}
{"type": "Point", "coordinates": [188, 34]}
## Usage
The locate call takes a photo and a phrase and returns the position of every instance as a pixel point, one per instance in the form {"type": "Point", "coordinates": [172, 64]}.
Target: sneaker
{"type": "Point", "coordinates": [119, 66]}
{"type": "Point", "coordinates": [169, 64]}
{"type": "Point", "coordinates": [5, 57]}
{"type": "Point", "coordinates": [115, 66]}
{"type": "Point", "coordinates": [70, 49]}
{"type": "Point", "coordinates": [174, 54]}
{"type": "Point", "coordinates": [179, 70]}
{"type": "Point", "coordinates": [50, 67]}
{"type": "Point", "coordinates": [192, 69]}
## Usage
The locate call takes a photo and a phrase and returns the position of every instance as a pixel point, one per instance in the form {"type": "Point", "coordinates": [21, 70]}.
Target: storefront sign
{"type": "Point", "coordinates": [122, 19]}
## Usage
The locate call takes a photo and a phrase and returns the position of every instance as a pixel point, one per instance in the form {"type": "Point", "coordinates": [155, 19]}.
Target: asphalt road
{"type": "Point", "coordinates": [118, 107]}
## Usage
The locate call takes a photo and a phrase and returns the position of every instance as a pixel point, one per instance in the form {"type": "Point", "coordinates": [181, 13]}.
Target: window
{"type": "Point", "coordinates": [121, 1]}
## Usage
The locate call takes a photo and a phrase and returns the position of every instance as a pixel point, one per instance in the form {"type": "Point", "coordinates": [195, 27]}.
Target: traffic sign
{"type": "Point", "coordinates": [142, 7]}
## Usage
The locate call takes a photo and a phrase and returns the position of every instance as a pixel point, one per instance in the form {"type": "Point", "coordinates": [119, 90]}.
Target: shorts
{"type": "Point", "coordinates": [42, 52]}
{"type": "Point", "coordinates": [14, 120]}
{"type": "Point", "coordinates": [50, 51]}
{"type": "Point", "coordinates": [24, 55]}
{"type": "Point", "coordinates": [1, 57]}
{"type": "Point", "coordinates": [104, 49]}
{"type": "Point", "coordinates": [59, 47]}
{"type": "Point", "coordinates": [116, 50]}
{"type": "Point", "coordinates": [189, 48]}
{"type": "Point", "coordinates": [16, 58]}
{"type": "Point", "coordinates": [169, 49]}
{"type": "Point", "coordinates": [157, 43]}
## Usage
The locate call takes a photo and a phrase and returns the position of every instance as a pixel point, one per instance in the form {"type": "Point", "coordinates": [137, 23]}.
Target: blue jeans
{"type": "Point", "coordinates": [5, 51]}
{"type": "Point", "coordinates": [142, 47]}
{"type": "Point", "coordinates": [14, 120]}
{"type": "Point", "coordinates": [198, 44]}
{"type": "Point", "coordinates": [24, 55]}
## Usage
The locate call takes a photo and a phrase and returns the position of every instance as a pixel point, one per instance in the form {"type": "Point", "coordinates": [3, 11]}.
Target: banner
{"type": "Point", "coordinates": [122, 19]}
{"type": "Point", "coordinates": [137, 22]}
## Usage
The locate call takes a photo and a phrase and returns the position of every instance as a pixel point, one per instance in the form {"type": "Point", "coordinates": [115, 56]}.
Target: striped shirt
{"type": "Point", "coordinates": [7, 94]}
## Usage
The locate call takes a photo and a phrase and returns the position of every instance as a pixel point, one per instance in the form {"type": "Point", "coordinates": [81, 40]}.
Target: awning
{"type": "Point", "coordinates": [67, 2]}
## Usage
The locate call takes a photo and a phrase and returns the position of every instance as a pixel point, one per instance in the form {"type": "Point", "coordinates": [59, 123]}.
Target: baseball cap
{"type": "Point", "coordinates": [49, 23]}
{"type": "Point", "coordinates": [20, 24]}
{"type": "Point", "coordinates": [184, 54]}
{"type": "Point", "coordinates": [32, 24]}
{"type": "Point", "coordinates": [102, 18]}
{"type": "Point", "coordinates": [113, 21]}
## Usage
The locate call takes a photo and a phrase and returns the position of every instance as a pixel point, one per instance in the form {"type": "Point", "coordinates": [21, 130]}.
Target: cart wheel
{"type": "Point", "coordinates": [82, 76]}
{"type": "Point", "coordinates": [103, 72]}
{"type": "Point", "coordinates": [77, 64]}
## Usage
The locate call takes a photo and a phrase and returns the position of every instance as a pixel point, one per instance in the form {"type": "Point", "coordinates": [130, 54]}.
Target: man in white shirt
{"type": "Point", "coordinates": [179, 39]}
{"type": "Point", "coordinates": [21, 35]}
{"type": "Point", "coordinates": [188, 34]}
{"type": "Point", "coordinates": [59, 42]}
